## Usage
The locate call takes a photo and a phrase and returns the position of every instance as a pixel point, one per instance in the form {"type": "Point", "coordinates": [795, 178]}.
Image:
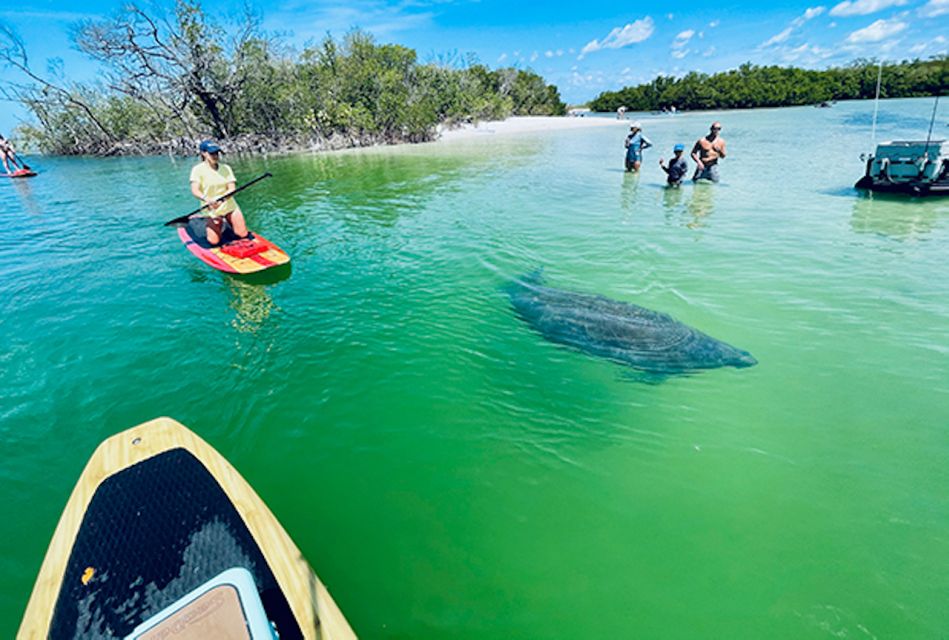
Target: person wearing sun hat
{"type": "Point", "coordinates": [211, 179]}
{"type": "Point", "coordinates": [635, 143]}
{"type": "Point", "coordinates": [678, 166]}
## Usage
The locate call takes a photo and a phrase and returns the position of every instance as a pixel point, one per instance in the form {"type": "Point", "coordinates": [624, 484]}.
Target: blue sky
{"type": "Point", "coordinates": [583, 48]}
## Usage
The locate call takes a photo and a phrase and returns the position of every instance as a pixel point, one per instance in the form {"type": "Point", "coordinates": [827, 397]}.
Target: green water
{"type": "Point", "coordinates": [448, 472]}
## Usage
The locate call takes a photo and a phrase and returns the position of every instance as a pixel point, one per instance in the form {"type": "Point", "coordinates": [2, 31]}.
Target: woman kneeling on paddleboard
{"type": "Point", "coordinates": [212, 179]}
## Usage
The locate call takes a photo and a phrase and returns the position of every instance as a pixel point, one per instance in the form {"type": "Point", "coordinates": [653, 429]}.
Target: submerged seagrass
{"type": "Point", "coordinates": [626, 333]}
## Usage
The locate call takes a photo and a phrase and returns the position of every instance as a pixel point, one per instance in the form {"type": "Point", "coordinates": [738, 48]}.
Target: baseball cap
{"type": "Point", "coordinates": [679, 147]}
{"type": "Point", "coordinates": [209, 146]}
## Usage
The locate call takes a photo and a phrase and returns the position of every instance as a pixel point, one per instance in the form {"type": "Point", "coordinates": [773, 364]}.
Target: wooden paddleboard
{"type": "Point", "coordinates": [163, 538]}
{"type": "Point", "coordinates": [233, 255]}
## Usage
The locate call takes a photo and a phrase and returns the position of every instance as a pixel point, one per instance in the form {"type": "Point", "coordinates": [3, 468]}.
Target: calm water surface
{"type": "Point", "coordinates": [448, 472]}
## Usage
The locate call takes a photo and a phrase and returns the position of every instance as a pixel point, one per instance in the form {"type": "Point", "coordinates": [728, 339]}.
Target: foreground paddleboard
{"type": "Point", "coordinates": [21, 173]}
{"type": "Point", "coordinates": [234, 255]}
{"type": "Point", "coordinates": [162, 538]}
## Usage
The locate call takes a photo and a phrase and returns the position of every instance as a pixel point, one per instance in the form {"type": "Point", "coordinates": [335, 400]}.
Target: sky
{"type": "Point", "coordinates": [583, 48]}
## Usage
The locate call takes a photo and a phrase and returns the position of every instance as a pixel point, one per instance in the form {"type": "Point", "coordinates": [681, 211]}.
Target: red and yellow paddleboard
{"type": "Point", "coordinates": [21, 173]}
{"type": "Point", "coordinates": [242, 256]}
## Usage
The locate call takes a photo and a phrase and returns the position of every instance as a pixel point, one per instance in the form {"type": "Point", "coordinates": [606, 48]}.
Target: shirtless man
{"type": "Point", "coordinates": [707, 152]}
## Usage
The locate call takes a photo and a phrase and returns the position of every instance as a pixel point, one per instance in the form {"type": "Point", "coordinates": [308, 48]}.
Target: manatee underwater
{"type": "Point", "coordinates": [649, 341]}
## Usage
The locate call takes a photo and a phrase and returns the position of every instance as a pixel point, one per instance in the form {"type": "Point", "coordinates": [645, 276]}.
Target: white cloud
{"type": "Point", "coordinates": [683, 39]}
{"type": "Point", "coordinates": [936, 43]}
{"type": "Point", "coordinates": [714, 23]}
{"type": "Point", "coordinates": [548, 54]}
{"type": "Point", "coordinates": [678, 54]}
{"type": "Point", "coordinates": [777, 38]}
{"type": "Point", "coordinates": [669, 16]}
{"type": "Point", "coordinates": [864, 7]}
{"type": "Point", "coordinates": [502, 57]}
{"type": "Point", "coordinates": [339, 16]}
{"type": "Point", "coordinates": [934, 8]}
{"type": "Point", "coordinates": [879, 30]}
{"type": "Point", "coordinates": [622, 36]}
{"type": "Point", "coordinates": [534, 56]}
{"type": "Point", "coordinates": [809, 14]}
{"type": "Point", "coordinates": [708, 53]}
{"type": "Point", "coordinates": [806, 53]}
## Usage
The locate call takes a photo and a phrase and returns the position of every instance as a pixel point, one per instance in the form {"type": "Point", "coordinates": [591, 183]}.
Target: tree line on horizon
{"type": "Point", "coordinates": [170, 80]}
{"type": "Point", "coordinates": [751, 86]}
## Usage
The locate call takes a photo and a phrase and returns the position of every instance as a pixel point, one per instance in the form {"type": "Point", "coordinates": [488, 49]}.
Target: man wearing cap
{"type": "Point", "coordinates": [706, 152]}
{"type": "Point", "coordinates": [677, 168]}
{"type": "Point", "coordinates": [210, 179]}
{"type": "Point", "coordinates": [635, 143]}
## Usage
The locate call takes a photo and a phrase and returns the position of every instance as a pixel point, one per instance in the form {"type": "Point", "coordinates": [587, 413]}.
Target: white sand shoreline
{"type": "Point", "coordinates": [525, 124]}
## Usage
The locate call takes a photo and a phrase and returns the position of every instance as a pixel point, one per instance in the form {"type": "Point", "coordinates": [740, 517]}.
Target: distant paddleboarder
{"type": "Point", "coordinates": [8, 155]}
{"type": "Point", "coordinates": [211, 179]}
{"type": "Point", "coordinates": [706, 152]}
{"type": "Point", "coordinates": [636, 142]}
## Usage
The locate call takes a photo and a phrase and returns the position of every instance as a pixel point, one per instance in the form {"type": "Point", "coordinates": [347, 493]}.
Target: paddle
{"type": "Point", "coordinates": [20, 160]}
{"type": "Point", "coordinates": [184, 218]}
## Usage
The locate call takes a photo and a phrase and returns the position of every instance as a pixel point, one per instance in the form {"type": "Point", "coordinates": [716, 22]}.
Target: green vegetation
{"type": "Point", "coordinates": [171, 80]}
{"type": "Point", "coordinates": [751, 86]}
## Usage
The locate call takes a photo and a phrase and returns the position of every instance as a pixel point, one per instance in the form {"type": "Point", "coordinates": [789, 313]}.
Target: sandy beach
{"type": "Point", "coordinates": [526, 124]}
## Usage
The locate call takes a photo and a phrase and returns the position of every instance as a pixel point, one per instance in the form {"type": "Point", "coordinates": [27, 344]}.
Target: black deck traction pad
{"type": "Point", "coordinates": [152, 533]}
{"type": "Point", "coordinates": [197, 231]}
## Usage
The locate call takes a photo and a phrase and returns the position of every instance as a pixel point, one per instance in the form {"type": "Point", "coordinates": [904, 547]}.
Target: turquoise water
{"type": "Point", "coordinates": [448, 472]}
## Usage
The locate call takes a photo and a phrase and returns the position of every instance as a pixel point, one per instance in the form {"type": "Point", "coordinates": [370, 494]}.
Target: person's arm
{"type": "Point", "coordinates": [696, 151]}
{"type": "Point", "coordinates": [662, 165]}
{"type": "Point", "coordinates": [196, 192]}
{"type": "Point", "coordinates": [645, 143]}
{"type": "Point", "coordinates": [721, 149]}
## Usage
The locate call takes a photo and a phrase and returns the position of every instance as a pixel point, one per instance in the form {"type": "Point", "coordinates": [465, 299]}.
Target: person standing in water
{"type": "Point", "coordinates": [678, 166]}
{"type": "Point", "coordinates": [8, 155]}
{"type": "Point", "coordinates": [636, 142]}
{"type": "Point", "coordinates": [211, 179]}
{"type": "Point", "coordinates": [706, 152]}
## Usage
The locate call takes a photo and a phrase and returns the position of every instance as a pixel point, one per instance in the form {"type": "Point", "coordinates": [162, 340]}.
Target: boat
{"type": "Point", "coordinates": [919, 168]}
{"type": "Point", "coordinates": [21, 173]}
{"type": "Point", "coordinates": [252, 254]}
{"type": "Point", "coordinates": [162, 538]}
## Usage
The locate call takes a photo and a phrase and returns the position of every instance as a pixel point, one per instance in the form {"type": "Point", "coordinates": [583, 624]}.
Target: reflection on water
{"type": "Point", "coordinates": [701, 204]}
{"type": "Point", "coordinates": [895, 216]}
{"type": "Point", "coordinates": [671, 198]}
{"type": "Point", "coordinates": [628, 191]}
{"type": "Point", "coordinates": [250, 299]}
{"type": "Point", "coordinates": [25, 194]}
{"type": "Point", "coordinates": [251, 302]}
